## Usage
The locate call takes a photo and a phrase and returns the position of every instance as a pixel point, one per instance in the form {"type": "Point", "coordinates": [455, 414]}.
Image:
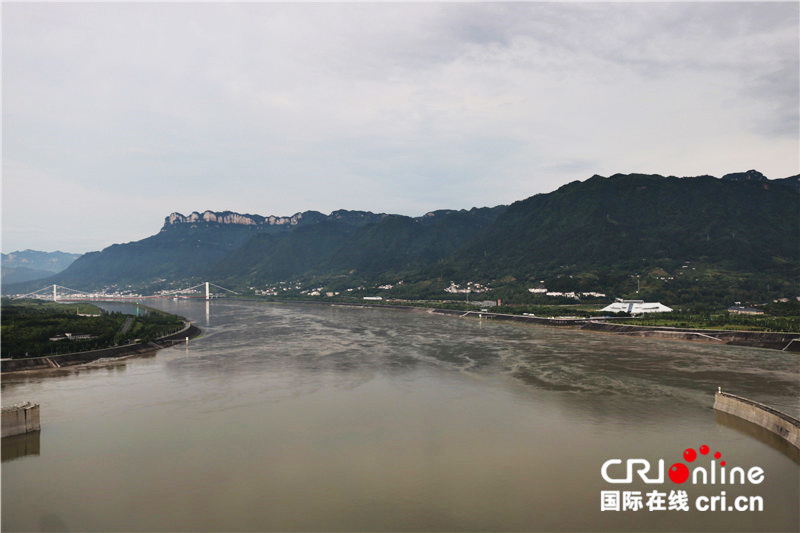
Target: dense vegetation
{"type": "Point", "coordinates": [718, 321]}
{"type": "Point", "coordinates": [699, 244]}
{"type": "Point", "coordinates": [29, 325]}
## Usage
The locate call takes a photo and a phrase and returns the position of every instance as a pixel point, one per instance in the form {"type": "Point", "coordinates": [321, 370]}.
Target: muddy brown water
{"type": "Point", "coordinates": [311, 418]}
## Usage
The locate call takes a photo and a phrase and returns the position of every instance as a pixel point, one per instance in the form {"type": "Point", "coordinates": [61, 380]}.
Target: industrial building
{"type": "Point", "coordinates": [636, 307]}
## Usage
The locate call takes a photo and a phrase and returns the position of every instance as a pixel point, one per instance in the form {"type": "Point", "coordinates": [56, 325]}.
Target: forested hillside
{"type": "Point", "coordinates": [676, 239]}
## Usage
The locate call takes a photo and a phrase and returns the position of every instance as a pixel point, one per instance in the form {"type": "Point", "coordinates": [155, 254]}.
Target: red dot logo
{"type": "Point", "coordinates": [704, 449]}
{"type": "Point", "coordinates": [689, 455]}
{"type": "Point", "coordinates": [717, 455]}
{"type": "Point", "coordinates": [679, 473]}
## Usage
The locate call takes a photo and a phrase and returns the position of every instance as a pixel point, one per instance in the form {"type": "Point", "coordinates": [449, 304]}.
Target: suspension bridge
{"type": "Point", "coordinates": [57, 293]}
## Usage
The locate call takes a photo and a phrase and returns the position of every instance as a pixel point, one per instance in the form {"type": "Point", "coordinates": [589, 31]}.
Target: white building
{"type": "Point", "coordinates": [636, 307]}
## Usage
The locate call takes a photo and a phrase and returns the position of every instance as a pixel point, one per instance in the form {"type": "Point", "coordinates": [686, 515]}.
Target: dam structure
{"type": "Point", "coordinates": [783, 425]}
{"type": "Point", "coordinates": [19, 419]}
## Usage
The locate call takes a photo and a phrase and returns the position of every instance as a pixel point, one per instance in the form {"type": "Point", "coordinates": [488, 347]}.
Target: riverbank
{"type": "Point", "coordinates": [789, 342]}
{"type": "Point", "coordinates": [117, 352]}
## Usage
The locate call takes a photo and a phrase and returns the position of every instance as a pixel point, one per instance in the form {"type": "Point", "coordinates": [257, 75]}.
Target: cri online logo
{"type": "Point", "coordinates": [680, 473]}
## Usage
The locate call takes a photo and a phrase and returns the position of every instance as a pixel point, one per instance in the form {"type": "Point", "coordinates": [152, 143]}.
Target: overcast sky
{"type": "Point", "coordinates": [115, 115]}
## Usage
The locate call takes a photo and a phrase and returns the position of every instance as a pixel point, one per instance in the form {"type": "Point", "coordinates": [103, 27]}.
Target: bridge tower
{"type": "Point", "coordinates": [55, 293]}
{"type": "Point", "coordinates": [208, 292]}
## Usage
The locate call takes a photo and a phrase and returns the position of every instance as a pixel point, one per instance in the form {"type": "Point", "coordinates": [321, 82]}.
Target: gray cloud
{"type": "Point", "coordinates": [142, 109]}
{"type": "Point", "coordinates": [779, 92]}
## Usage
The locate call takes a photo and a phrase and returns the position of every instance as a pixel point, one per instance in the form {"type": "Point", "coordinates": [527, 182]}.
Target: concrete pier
{"type": "Point", "coordinates": [21, 418]}
{"type": "Point", "coordinates": [783, 425]}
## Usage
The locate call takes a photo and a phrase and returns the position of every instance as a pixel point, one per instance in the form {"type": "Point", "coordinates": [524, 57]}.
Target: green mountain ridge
{"type": "Point", "coordinates": [626, 219]}
{"type": "Point", "coordinates": [686, 239]}
{"type": "Point", "coordinates": [740, 234]}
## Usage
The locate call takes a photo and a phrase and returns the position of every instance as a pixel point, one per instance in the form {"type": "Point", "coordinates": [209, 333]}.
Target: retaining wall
{"type": "Point", "coordinates": [22, 418]}
{"type": "Point", "coordinates": [759, 339]}
{"type": "Point", "coordinates": [513, 318]}
{"type": "Point", "coordinates": [779, 341]}
{"type": "Point", "coordinates": [771, 419]}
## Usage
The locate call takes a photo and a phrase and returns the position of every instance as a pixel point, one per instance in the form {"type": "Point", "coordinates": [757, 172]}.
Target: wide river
{"type": "Point", "coordinates": [316, 418]}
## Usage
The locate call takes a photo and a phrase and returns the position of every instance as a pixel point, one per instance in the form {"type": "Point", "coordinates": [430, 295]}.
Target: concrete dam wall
{"type": "Point", "coordinates": [19, 419]}
{"type": "Point", "coordinates": [783, 425]}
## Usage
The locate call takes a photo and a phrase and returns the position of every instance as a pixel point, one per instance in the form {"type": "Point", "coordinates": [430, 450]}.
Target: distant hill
{"type": "Point", "coordinates": [792, 182]}
{"type": "Point", "coordinates": [689, 239]}
{"type": "Point", "coordinates": [754, 176]}
{"type": "Point", "coordinates": [29, 265]}
{"type": "Point", "coordinates": [188, 248]}
{"type": "Point", "coordinates": [633, 221]}
{"type": "Point", "coordinates": [683, 239]}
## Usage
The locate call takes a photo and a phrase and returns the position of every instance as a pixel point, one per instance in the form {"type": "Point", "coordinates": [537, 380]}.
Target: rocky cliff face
{"type": "Point", "coordinates": [229, 217]}
{"type": "Point", "coordinates": [258, 221]}
{"type": "Point", "coordinates": [750, 175]}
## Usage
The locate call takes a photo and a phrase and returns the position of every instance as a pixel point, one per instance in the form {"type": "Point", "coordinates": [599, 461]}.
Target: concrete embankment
{"type": "Point", "coordinates": [783, 425]}
{"type": "Point", "coordinates": [19, 419]}
{"type": "Point", "coordinates": [76, 358]}
{"type": "Point", "coordinates": [514, 318]}
{"type": "Point", "coordinates": [758, 339]}
{"type": "Point", "coordinates": [789, 342]}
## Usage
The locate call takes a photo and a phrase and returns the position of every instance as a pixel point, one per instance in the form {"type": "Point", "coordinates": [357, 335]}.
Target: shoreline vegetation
{"type": "Point", "coordinates": [114, 353]}
{"type": "Point", "coordinates": [40, 334]}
